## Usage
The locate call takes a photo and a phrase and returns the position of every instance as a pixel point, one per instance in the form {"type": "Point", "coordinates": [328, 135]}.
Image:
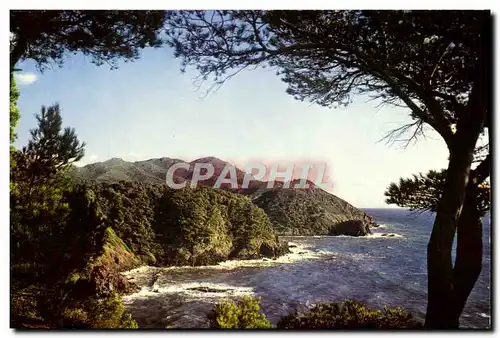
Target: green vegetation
{"type": "Point", "coordinates": [291, 211]}
{"type": "Point", "coordinates": [69, 242]}
{"type": "Point", "coordinates": [164, 226]}
{"type": "Point", "coordinates": [245, 314]}
{"type": "Point", "coordinates": [398, 58]}
{"type": "Point", "coordinates": [99, 314]}
{"type": "Point", "coordinates": [14, 110]}
{"type": "Point", "coordinates": [109, 228]}
{"type": "Point", "coordinates": [46, 37]}
{"type": "Point", "coordinates": [58, 244]}
{"type": "Point", "coordinates": [303, 212]}
{"type": "Point", "coordinates": [349, 315]}
{"type": "Point", "coordinates": [59, 247]}
{"type": "Point", "coordinates": [423, 191]}
{"type": "Point", "coordinates": [72, 241]}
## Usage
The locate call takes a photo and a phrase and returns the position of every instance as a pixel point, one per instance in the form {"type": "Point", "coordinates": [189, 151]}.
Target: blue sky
{"type": "Point", "coordinates": [147, 109]}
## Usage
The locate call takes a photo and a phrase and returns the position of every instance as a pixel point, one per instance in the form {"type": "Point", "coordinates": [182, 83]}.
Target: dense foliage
{"type": "Point", "coordinates": [14, 116]}
{"type": "Point", "coordinates": [423, 192]}
{"type": "Point", "coordinates": [242, 314]}
{"type": "Point", "coordinates": [436, 64]}
{"type": "Point", "coordinates": [99, 314]}
{"type": "Point", "coordinates": [198, 226]}
{"type": "Point", "coordinates": [14, 110]}
{"type": "Point", "coordinates": [349, 315]}
{"type": "Point", "coordinates": [245, 314]}
{"type": "Point", "coordinates": [303, 212]}
{"type": "Point", "coordinates": [310, 211]}
{"type": "Point", "coordinates": [48, 36]}
{"type": "Point", "coordinates": [106, 229]}
{"type": "Point", "coordinates": [70, 242]}
{"type": "Point", "coordinates": [38, 208]}
{"type": "Point", "coordinates": [49, 237]}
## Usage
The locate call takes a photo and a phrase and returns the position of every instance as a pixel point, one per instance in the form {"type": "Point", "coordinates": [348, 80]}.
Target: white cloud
{"type": "Point", "coordinates": [130, 156]}
{"type": "Point", "coordinates": [25, 78]}
{"type": "Point", "coordinates": [87, 160]}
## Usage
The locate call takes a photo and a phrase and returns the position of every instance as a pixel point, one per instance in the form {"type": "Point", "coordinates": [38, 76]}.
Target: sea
{"type": "Point", "coordinates": [385, 268]}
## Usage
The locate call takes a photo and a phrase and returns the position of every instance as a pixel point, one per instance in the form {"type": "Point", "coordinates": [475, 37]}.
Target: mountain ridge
{"type": "Point", "coordinates": [292, 211]}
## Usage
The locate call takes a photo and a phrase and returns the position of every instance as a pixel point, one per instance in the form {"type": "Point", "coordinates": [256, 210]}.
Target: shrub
{"type": "Point", "coordinates": [25, 306]}
{"type": "Point", "coordinates": [349, 315]}
{"type": "Point", "coordinates": [107, 313]}
{"type": "Point", "coordinates": [243, 314]}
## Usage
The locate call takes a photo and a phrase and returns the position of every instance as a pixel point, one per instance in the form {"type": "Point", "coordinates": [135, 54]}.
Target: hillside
{"type": "Point", "coordinates": [108, 228]}
{"type": "Point", "coordinates": [311, 211]}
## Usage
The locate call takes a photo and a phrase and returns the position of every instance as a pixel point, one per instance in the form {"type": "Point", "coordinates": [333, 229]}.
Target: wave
{"type": "Point", "coordinates": [298, 252]}
{"type": "Point", "coordinates": [373, 235]}
{"type": "Point", "coordinates": [382, 226]}
{"type": "Point", "coordinates": [193, 290]}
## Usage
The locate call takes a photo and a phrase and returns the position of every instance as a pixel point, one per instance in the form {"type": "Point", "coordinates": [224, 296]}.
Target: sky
{"type": "Point", "coordinates": [148, 109]}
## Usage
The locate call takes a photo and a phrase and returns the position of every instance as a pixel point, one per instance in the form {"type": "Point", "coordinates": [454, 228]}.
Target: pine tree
{"type": "Point", "coordinates": [37, 204]}
{"type": "Point", "coordinates": [14, 110]}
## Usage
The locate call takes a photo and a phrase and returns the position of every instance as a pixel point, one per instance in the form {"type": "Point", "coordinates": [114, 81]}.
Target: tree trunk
{"type": "Point", "coordinates": [440, 296]}
{"type": "Point", "coordinates": [449, 288]}
{"type": "Point", "coordinates": [468, 262]}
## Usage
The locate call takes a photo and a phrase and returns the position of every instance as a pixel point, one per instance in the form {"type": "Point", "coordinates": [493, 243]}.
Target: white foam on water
{"type": "Point", "coordinates": [297, 253]}
{"type": "Point", "coordinates": [145, 269]}
{"type": "Point", "coordinates": [315, 236]}
{"type": "Point", "coordinates": [147, 274]}
{"type": "Point", "coordinates": [382, 226]}
{"type": "Point", "coordinates": [191, 290]}
{"type": "Point", "coordinates": [373, 235]}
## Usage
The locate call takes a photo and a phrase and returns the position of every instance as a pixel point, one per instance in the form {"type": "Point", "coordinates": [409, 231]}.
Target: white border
{"type": "Point", "coordinates": [197, 4]}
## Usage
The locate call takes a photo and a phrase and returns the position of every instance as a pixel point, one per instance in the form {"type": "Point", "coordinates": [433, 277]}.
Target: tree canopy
{"type": "Point", "coordinates": [14, 110]}
{"type": "Point", "coordinates": [46, 36]}
{"type": "Point", "coordinates": [423, 60]}
{"type": "Point", "coordinates": [423, 192]}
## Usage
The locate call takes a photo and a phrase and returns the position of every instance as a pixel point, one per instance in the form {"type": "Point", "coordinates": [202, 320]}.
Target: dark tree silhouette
{"type": "Point", "coordinates": [45, 36]}
{"type": "Point", "coordinates": [435, 63]}
{"type": "Point", "coordinates": [423, 192]}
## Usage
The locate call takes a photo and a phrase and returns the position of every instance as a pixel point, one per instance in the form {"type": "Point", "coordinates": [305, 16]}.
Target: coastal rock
{"type": "Point", "coordinates": [350, 228]}
{"type": "Point", "coordinates": [267, 250]}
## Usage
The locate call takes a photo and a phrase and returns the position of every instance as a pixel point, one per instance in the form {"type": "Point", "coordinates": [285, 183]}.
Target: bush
{"type": "Point", "coordinates": [107, 313]}
{"type": "Point", "coordinates": [25, 306]}
{"type": "Point", "coordinates": [349, 315]}
{"type": "Point", "coordinates": [243, 314]}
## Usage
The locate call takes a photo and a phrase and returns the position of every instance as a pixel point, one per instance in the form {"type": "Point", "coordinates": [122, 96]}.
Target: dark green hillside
{"type": "Point", "coordinates": [108, 228]}
{"type": "Point", "coordinates": [311, 212]}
